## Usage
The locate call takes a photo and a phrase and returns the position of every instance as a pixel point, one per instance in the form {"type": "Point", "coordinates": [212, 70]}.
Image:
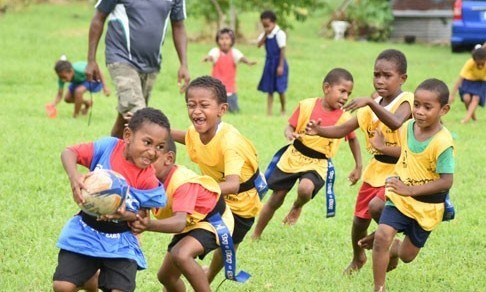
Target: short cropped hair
{"type": "Point", "coordinates": [213, 84]}
{"type": "Point", "coordinates": [268, 14]}
{"type": "Point", "coordinates": [479, 54]}
{"type": "Point", "coordinates": [148, 115]}
{"type": "Point", "coordinates": [395, 56]}
{"type": "Point", "coordinates": [437, 86]}
{"type": "Point", "coordinates": [228, 31]}
{"type": "Point", "coordinates": [336, 75]}
{"type": "Point", "coordinates": [62, 65]}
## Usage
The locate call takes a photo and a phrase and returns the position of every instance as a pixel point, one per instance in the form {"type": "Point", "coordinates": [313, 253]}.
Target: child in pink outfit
{"type": "Point", "coordinates": [224, 59]}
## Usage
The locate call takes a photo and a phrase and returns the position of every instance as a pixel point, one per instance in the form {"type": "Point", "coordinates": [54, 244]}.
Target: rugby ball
{"type": "Point", "coordinates": [105, 191]}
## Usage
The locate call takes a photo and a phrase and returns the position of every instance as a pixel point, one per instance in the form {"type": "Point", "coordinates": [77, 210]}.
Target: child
{"type": "Point", "coordinates": [88, 244]}
{"type": "Point", "coordinates": [306, 158]}
{"type": "Point", "coordinates": [224, 59]}
{"type": "Point", "coordinates": [378, 119]}
{"type": "Point", "coordinates": [74, 73]}
{"type": "Point", "coordinates": [276, 71]}
{"type": "Point", "coordinates": [191, 200]}
{"type": "Point", "coordinates": [415, 197]}
{"type": "Point", "coordinates": [472, 84]}
{"type": "Point", "coordinates": [222, 153]}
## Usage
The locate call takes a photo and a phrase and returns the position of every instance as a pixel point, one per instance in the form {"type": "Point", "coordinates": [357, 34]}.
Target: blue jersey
{"type": "Point", "coordinates": [77, 236]}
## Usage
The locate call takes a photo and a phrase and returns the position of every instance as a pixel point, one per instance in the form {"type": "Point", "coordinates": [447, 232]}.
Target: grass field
{"type": "Point", "coordinates": [35, 195]}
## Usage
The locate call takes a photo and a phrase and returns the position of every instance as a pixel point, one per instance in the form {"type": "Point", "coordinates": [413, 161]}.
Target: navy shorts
{"type": "Point", "coordinates": [90, 86]}
{"type": "Point", "coordinates": [206, 238]}
{"type": "Point", "coordinates": [242, 226]}
{"type": "Point", "coordinates": [280, 180]}
{"type": "Point", "coordinates": [393, 217]}
{"type": "Point", "coordinates": [115, 273]}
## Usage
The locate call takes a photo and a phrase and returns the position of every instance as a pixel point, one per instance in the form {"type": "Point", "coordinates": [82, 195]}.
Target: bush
{"type": "Point", "coordinates": [370, 19]}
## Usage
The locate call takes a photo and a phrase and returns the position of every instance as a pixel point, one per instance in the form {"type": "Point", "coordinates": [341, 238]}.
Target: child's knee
{"type": "Point", "coordinates": [276, 199]}
{"type": "Point", "coordinates": [305, 189]}
{"type": "Point", "coordinates": [382, 240]}
{"type": "Point", "coordinates": [63, 286]}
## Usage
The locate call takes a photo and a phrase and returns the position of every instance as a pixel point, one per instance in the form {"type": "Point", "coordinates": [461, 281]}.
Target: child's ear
{"type": "Point", "coordinates": [170, 158]}
{"type": "Point", "coordinates": [404, 77]}
{"type": "Point", "coordinates": [445, 109]}
{"type": "Point", "coordinates": [222, 109]}
{"type": "Point", "coordinates": [326, 87]}
{"type": "Point", "coordinates": [127, 134]}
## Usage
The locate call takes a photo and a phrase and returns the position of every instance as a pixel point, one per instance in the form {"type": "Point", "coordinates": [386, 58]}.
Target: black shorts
{"type": "Point", "coordinates": [391, 216]}
{"type": "Point", "coordinates": [116, 273]}
{"type": "Point", "coordinates": [283, 181]}
{"type": "Point", "coordinates": [206, 238]}
{"type": "Point", "coordinates": [242, 226]}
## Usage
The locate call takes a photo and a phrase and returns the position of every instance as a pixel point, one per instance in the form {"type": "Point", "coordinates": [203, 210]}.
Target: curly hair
{"type": "Point", "coordinates": [210, 83]}
{"type": "Point", "coordinates": [148, 115]}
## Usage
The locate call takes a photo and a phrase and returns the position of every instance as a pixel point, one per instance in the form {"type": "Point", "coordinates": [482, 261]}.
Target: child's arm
{"type": "Point", "coordinates": [443, 184]}
{"type": "Point", "coordinates": [280, 68]}
{"type": "Point", "coordinates": [391, 120]}
{"type": "Point", "coordinates": [208, 58]}
{"type": "Point", "coordinates": [106, 89]}
{"type": "Point", "coordinates": [69, 162]}
{"type": "Point", "coordinates": [378, 142]}
{"type": "Point", "coordinates": [454, 90]}
{"type": "Point", "coordinates": [246, 61]}
{"type": "Point", "coordinates": [230, 185]}
{"type": "Point", "coordinates": [58, 97]}
{"type": "Point", "coordinates": [179, 136]}
{"type": "Point", "coordinates": [174, 224]}
{"type": "Point", "coordinates": [339, 131]}
{"type": "Point", "coordinates": [262, 40]}
{"type": "Point", "coordinates": [355, 174]}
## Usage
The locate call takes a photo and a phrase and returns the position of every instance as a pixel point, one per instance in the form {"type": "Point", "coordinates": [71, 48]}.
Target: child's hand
{"type": "Point", "coordinates": [251, 63]}
{"type": "Point", "coordinates": [141, 224]}
{"type": "Point", "coordinates": [312, 127]}
{"type": "Point", "coordinates": [280, 70]}
{"type": "Point", "coordinates": [77, 184]}
{"type": "Point", "coordinates": [378, 140]}
{"type": "Point", "coordinates": [357, 103]}
{"type": "Point", "coordinates": [291, 136]}
{"type": "Point", "coordinates": [118, 215]}
{"type": "Point", "coordinates": [208, 59]}
{"type": "Point", "coordinates": [106, 91]}
{"type": "Point", "coordinates": [395, 185]}
{"type": "Point", "coordinates": [354, 176]}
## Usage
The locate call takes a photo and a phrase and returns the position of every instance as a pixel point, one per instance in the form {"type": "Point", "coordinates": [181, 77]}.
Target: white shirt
{"type": "Point", "coordinates": [216, 52]}
{"type": "Point", "coordinates": [279, 34]}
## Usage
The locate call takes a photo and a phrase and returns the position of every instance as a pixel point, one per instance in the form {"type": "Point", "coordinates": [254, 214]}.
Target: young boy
{"type": "Point", "coordinates": [424, 175]}
{"type": "Point", "coordinates": [225, 58]}
{"type": "Point", "coordinates": [191, 200]}
{"type": "Point", "coordinates": [276, 71]}
{"type": "Point", "coordinates": [90, 245]}
{"type": "Point", "coordinates": [306, 158]}
{"type": "Point", "coordinates": [222, 153]}
{"type": "Point", "coordinates": [74, 74]}
{"type": "Point", "coordinates": [378, 119]}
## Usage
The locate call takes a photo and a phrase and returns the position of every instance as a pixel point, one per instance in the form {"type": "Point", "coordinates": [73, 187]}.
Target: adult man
{"type": "Point", "coordinates": [135, 33]}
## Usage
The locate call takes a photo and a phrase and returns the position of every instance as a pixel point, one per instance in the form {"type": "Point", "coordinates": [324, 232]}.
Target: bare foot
{"type": "Point", "coordinates": [355, 266]}
{"type": "Point", "coordinates": [367, 241]}
{"type": "Point", "coordinates": [292, 216]}
{"type": "Point", "coordinates": [255, 237]}
{"type": "Point", "coordinates": [393, 263]}
{"type": "Point", "coordinates": [464, 121]}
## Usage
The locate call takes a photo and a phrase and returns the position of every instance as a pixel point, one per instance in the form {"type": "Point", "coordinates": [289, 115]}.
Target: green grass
{"type": "Point", "coordinates": [35, 195]}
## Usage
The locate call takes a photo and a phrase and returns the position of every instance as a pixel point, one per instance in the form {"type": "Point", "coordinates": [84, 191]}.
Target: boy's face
{"type": "Point", "coordinates": [427, 110]}
{"type": "Point", "coordinates": [66, 76]}
{"type": "Point", "coordinates": [336, 95]}
{"type": "Point", "coordinates": [204, 111]}
{"type": "Point", "coordinates": [268, 25]}
{"type": "Point", "coordinates": [146, 144]}
{"type": "Point", "coordinates": [386, 78]}
{"type": "Point", "coordinates": [224, 42]}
